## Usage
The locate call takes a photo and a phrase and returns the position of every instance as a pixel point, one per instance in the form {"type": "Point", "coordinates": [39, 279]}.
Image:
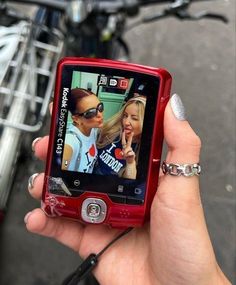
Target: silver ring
{"type": "Point", "coordinates": [31, 181]}
{"type": "Point", "coordinates": [186, 170]}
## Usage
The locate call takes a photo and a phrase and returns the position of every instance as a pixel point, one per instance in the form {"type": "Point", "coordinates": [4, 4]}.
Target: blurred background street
{"type": "Point", "coordinates": [201, 58]}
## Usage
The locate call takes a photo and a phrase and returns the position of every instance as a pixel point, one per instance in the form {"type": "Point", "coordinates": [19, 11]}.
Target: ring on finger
{"type": "Point", "coordinates": [31, 181]}
{"type": "Point", "coordinates": [187, 170]}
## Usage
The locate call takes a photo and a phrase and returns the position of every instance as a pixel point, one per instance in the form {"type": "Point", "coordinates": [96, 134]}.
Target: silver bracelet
{"type": "Point", "coordinates": [187, 170]}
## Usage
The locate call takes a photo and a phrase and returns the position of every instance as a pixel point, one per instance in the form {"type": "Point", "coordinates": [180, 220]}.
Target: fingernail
{"type": "Point", "coordinates": [26, 218]}
{"type": "Point", "coordinates": [34, 143]}
{"type": "Point", "coordinates": [31, 181]}
{"type": "Point", "coordinates": [178, 107]}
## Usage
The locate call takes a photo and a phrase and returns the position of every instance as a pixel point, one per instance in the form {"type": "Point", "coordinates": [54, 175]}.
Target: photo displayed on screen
{"type": "Point", "coordinates": [104, 125]}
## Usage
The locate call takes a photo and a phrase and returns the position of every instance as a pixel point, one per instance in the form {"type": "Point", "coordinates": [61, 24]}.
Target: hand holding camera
{"type": "Point", "coordinates": [177, 225]}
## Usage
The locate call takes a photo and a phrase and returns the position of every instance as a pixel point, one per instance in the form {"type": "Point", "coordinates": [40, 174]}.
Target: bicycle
{"type": "Point", "coordinates": [27, 79]}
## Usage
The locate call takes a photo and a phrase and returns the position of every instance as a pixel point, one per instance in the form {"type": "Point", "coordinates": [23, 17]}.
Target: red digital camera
{"type": "Point", "coordinates": [105, 141]}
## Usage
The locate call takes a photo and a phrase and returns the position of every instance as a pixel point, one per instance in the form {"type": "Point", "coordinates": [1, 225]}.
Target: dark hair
{"type": "Point", "coordinates": [76, 95]}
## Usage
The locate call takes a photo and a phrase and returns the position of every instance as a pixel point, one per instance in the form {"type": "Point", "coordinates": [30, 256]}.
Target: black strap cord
{"type": "Point", "coordinates": [89, 263]}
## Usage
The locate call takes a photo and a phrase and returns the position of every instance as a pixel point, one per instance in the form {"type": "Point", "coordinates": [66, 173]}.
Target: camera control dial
{"type": "Point", "coordinates": [93, 210]}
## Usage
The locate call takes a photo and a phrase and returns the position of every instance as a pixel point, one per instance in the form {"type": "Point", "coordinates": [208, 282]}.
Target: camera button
{"type": "Point", "coordinates": [134, 201]}
{"type": "Point", "coordinates": [117, 198]}
{"type": "Point", "coordinates": [93, 210]}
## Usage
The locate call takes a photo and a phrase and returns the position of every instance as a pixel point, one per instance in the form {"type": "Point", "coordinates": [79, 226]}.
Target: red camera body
{"type": "Point", "coordinates": [95, 195]}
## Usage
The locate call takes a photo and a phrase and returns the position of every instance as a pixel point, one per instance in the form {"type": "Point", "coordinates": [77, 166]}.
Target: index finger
{"type": "Point", "coordinates": [123, 139]}
{"type": "Point", "coordinates": [130, 138]}
{"type": "Point", "coordinates": [40, 147]}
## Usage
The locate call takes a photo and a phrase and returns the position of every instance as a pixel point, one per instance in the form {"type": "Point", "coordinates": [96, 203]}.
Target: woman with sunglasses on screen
{"type": "Point", "coordinates": [80, 152]}
{"type": "Point", "coordinates": [118, 142]}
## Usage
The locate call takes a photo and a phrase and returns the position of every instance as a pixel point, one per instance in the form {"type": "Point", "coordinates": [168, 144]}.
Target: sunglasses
{"type": "Point", "coordinates": [92, 112]}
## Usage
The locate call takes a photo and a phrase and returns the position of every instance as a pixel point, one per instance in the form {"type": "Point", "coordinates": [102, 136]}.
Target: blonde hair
{"type": "Point", "coordinates": [112, 129]}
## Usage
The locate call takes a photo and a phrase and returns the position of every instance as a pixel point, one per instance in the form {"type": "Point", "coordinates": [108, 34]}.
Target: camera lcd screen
{"type": "Point", "coordinates": [104, 130]}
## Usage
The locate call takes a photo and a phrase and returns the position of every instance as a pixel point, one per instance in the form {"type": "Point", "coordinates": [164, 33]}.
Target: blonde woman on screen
{"type": "Point", "coordinates": [119, 140]}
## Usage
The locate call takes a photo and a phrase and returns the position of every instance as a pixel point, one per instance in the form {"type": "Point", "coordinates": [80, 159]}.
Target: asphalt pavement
{"type": "Point", "coordinates": [201, 58]}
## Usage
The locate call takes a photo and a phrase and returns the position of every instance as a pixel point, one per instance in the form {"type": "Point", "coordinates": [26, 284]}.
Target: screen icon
{"type": "Point", "coordinates": [138, 191]}
{"type": "Point", "coordinates": [113, 82]}
{"type": "Point", "coordinates": [102, 80]}
{"type": "Point", "coordinates": [77, 183]}
{"type": "Point", "coordinates": [123, 83]}
{"type": "Point", "coordinates": [120, 188]}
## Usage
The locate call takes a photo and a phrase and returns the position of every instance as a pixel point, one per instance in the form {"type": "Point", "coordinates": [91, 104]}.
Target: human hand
{"type": "Point", "coordinates": [127, 151]}
{"type": "Point", "coordinates": [174, 249]}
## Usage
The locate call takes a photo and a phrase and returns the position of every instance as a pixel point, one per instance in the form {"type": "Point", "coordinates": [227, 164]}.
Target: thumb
{"type": "Point", "coordinates": [183, 148]}
{"type": "Point", "coordinates": [178, 225]}
{"type": "Point", "coordinates": [183, 143]}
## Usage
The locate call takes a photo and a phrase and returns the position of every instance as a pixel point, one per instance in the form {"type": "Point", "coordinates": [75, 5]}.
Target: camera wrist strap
{"type": "Point", "coordinates": [89, 263]}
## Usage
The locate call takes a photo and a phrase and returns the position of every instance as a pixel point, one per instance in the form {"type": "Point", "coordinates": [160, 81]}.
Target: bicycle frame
{"type": "Point", "coordinates": [27, 61]}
